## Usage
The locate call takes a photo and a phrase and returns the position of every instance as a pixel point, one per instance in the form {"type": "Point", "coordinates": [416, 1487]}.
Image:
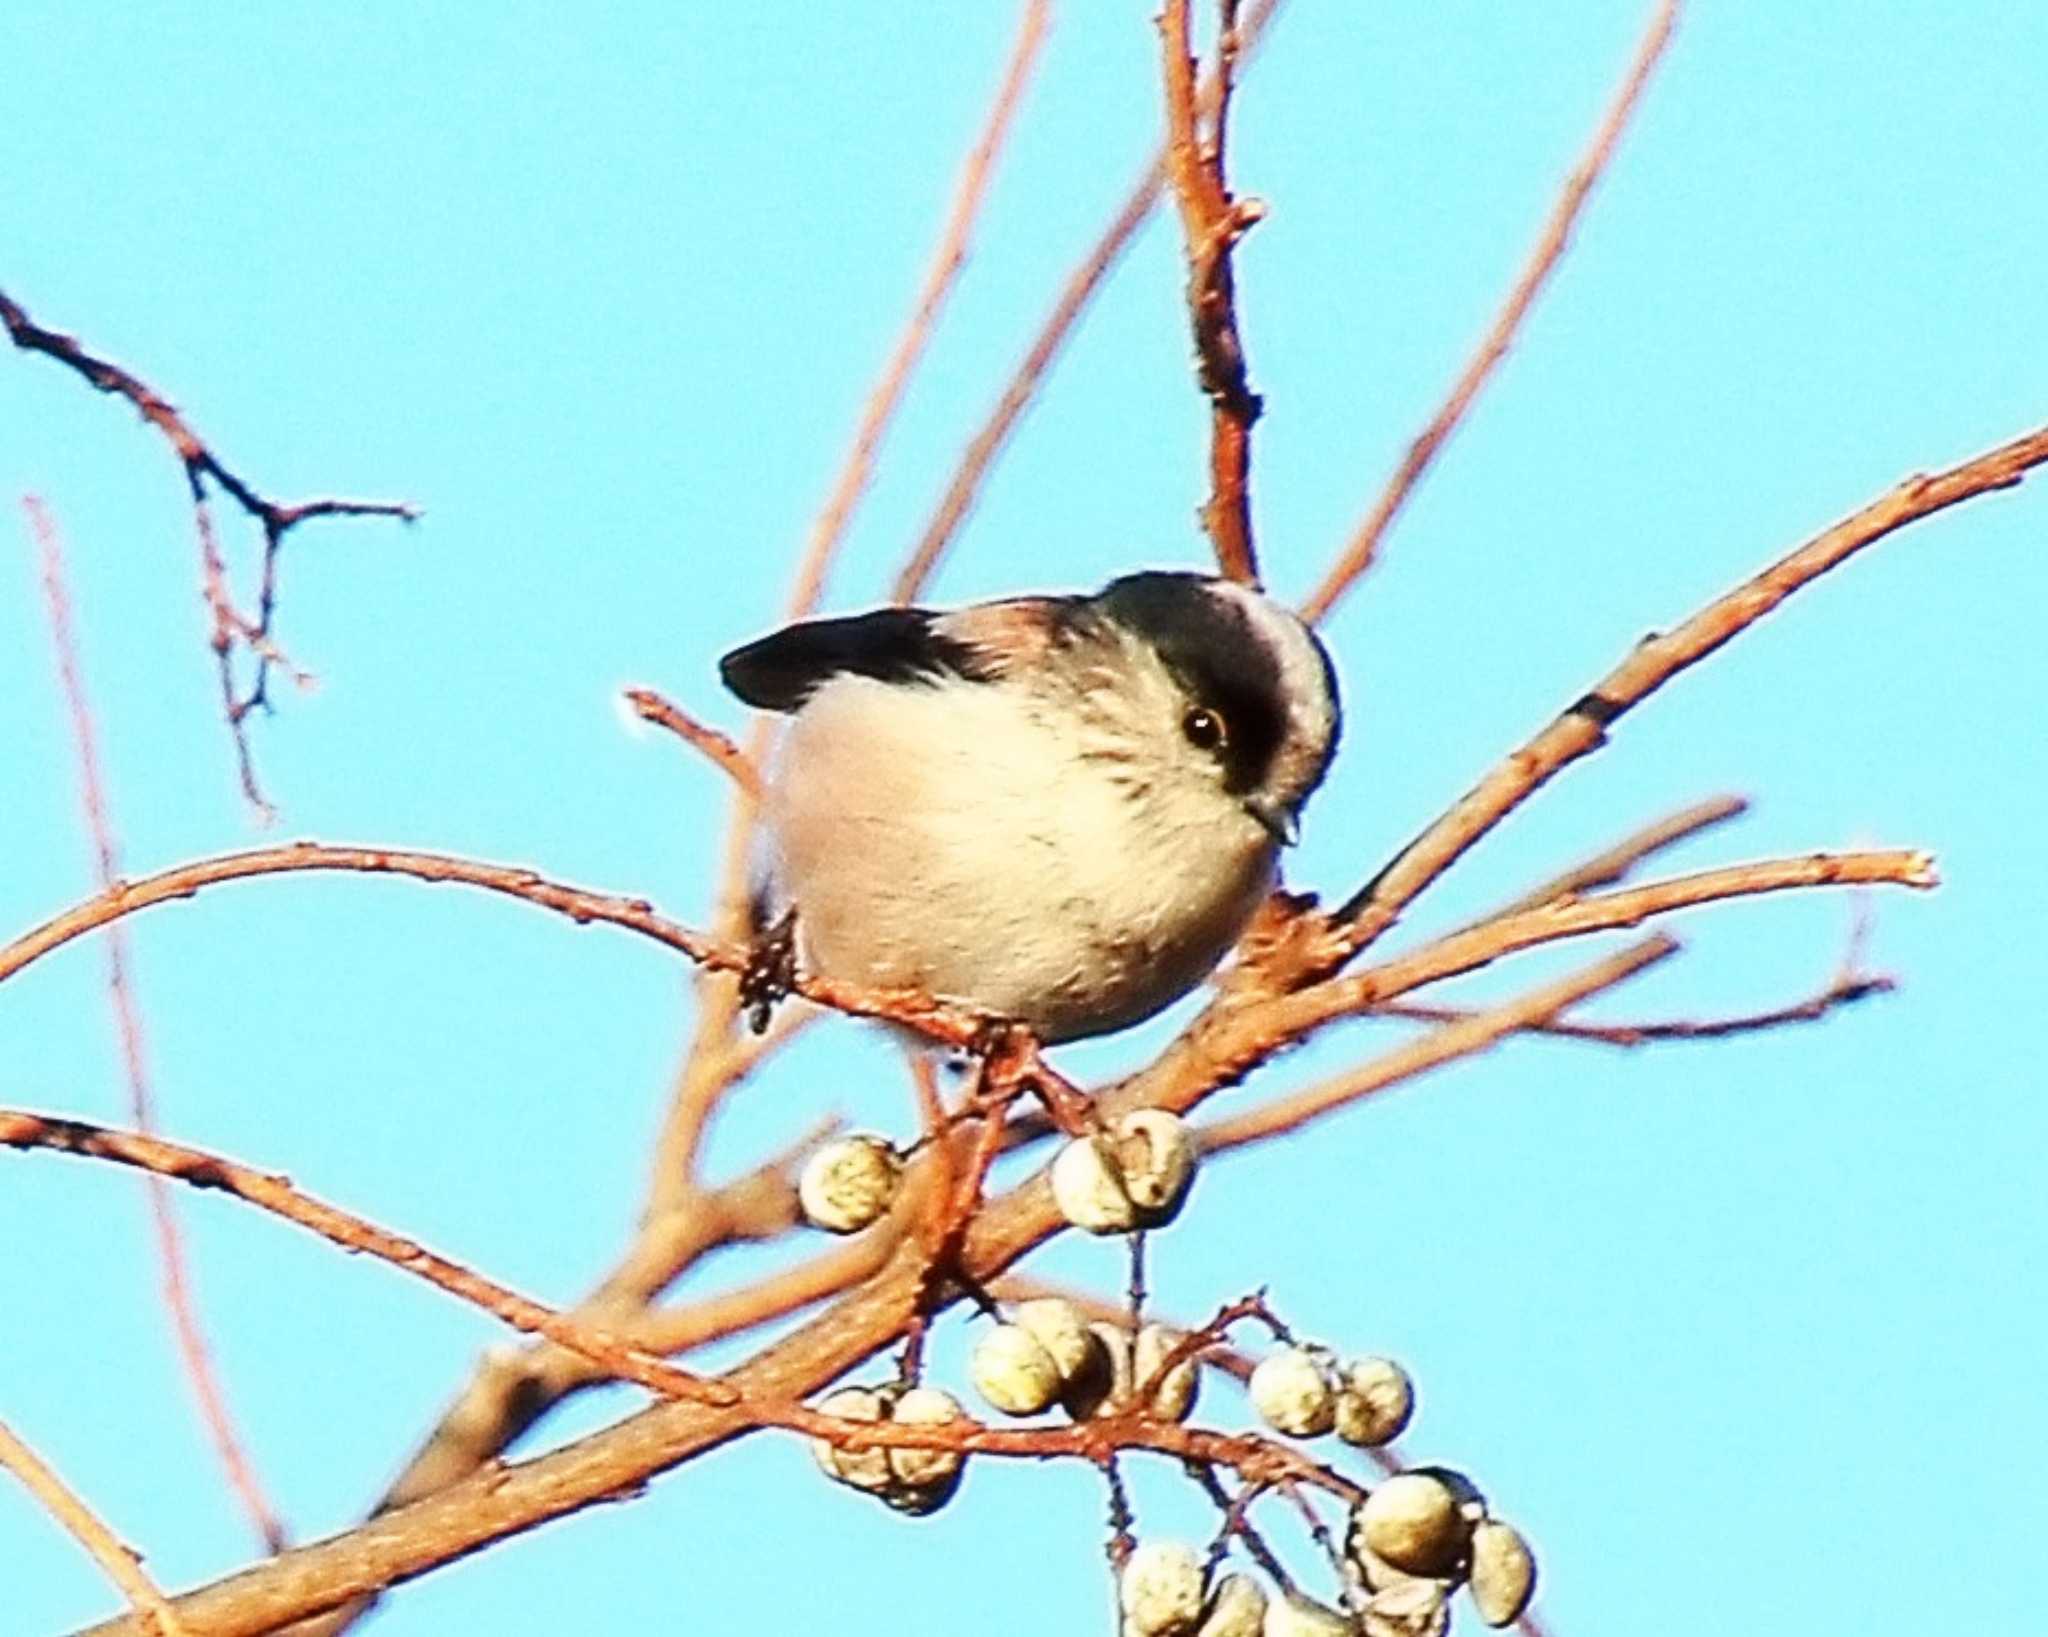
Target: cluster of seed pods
{"type": "Point", "coordinates": [1418, 1537]}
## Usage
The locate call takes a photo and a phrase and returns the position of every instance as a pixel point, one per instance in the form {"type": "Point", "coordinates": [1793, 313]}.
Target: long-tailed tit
{"type": "Point", "coordinates": [1059, 810]}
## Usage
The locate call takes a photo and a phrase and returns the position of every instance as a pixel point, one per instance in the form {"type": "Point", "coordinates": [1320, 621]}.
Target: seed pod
{"type": "Point", "coordinates": [1104, 1382]}
{"type": "Point", "coordinates": [1375, 1398]}
{"type": "Point", "coordinates": [1156, 1153]}
{"type": "Point", "coordinates": [1089, 1188]}
{"type": "Point", "coordinates": [863, 1469]}
{"type": "Point", "coordinates": [1160, 1589]}
{"type": "Point", "coordinates": [1012, 1370]}
{"type": "Point", "coordinates": [1414, 1608]}
{"type": "Point", "coordinates": [1413, 1521]}
{"type": "Point", "coordinates": [1058, 1327]}
{"type": "Point", "coordinates": [1503, 1573]}
{"type": "Point", "coordinates": [1377, 1573]}
{"type": "Point", "coordinates": [1174, 1398]}
{"type": "Point", "coordinates": [926, 1470]}
{"type": "Point", "coordinates": [1237, 1608]}
{"type": "Point", "coordinates": [1297, 1616]}
{"type": "Point", "coordinates": [1135, 1175]}
{"type": "Point", "coordinates": [849, 1183]}
{"type": "Point", "coordinates": [1291, 1391]}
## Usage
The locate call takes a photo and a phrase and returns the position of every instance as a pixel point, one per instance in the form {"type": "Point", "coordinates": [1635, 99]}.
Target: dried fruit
{"type": "Point", "coordinates": [1161, 1589]}
{"type": "Point", "coordinates": [849, 1183]}
{"type": "Point", "coordinates": [1012, 1370]}
{"type": "Point", "coordinates": [1503, 1573]}
{"type": "Point", "coordinates": [1375, 1398]}
{"type": "Point", "coordinates": [1292, 1391]}
{"type": "Point", "coordinates": [1415, 1522]}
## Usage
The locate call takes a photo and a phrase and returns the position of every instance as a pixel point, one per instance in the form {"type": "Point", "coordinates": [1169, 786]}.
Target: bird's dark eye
{"type": "Point", "coordinates": [1204, 729]}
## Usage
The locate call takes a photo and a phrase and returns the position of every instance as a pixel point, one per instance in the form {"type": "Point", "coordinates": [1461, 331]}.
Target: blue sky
{"type": "Point", "coordinates": [1741, 1334]}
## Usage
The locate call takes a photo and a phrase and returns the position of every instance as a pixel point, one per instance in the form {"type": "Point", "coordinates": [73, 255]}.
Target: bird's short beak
{"type": "Point", "coordinates": [1279, 823]}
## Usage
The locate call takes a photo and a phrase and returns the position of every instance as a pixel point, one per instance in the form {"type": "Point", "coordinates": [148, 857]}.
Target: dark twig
{"type": "Point", "coordinates": [230, 626]}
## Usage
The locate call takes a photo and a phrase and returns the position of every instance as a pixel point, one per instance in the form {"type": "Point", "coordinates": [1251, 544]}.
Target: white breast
{"type": "Point", "coordinates": [947, 839]}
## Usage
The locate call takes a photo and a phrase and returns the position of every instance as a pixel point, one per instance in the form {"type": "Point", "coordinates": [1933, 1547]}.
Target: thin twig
{"type": "Point", "coordinates": [1455, 1040]}
{"type": "Point", "coordinates": [940, 277]}
{"type": "Point", "coordinates": [950, 1025]}
{"type": "Point", "coordinates": [716, 747]}
{"type": "Point", "coordinates": [180, 1303]}
{"type": "Point", "coordinates": [122, 1564]}
{"type": "Point", "coordinates": [202, 466]}
{"type": "Point", "coordinates": [1088, 276]}
{"type": "Point", "coordinates": [1550, 246]}
{"type": "Point", "coordinates": [1840, 992]}
{"type": "Point", "coordinates": [1613, 865]}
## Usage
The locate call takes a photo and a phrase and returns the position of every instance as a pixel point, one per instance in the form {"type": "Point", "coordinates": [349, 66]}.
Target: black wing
{"type": "Point", "coordinates": [781, 670]}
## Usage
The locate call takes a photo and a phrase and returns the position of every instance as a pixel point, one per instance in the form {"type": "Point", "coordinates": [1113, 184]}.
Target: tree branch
{"type": "Point", "coordinates": [201, 466]}
{"type": "Point", "coordinates": [1582, 727]}
{"type": "Point", "coordinates": [121, 1563]}
{"type": "Point", "coordinates": [944, 271]}
{"type": "Point", "coordinates": [1550, 246]}
{"type": "Point", "coordinates": [1212, 222]}
{"type": "Point", "coordinates": [1088, 276]}
{"type": "Point", "coordinates": [180, 1303]}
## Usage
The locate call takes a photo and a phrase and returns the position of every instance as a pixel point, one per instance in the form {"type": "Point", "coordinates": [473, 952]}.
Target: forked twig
{"type": "Point", "coordinates": [201, 467]}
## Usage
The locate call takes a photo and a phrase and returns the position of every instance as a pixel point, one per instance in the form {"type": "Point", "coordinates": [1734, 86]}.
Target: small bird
{"type": "Point", "coordinates": [1057, 810]}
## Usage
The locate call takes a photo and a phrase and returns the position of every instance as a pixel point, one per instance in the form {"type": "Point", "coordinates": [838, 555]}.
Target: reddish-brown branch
{"type": "Point", "coordinates": [949, 1025]}
{"type": "Point", "coordinates": [1840, 992]}
{"type": "Point", "coordinates": [1462, 1038]}
{"type": "Point", "coordinates": [1212, 222]}
{"type": "Point", "coordinates": [939, 279]}
{"type": "Point", "coordinates": [716, 747]}
{"type": "Point", "coordinates": [180, 1304]}
{"type": "Point", "coordinates": [276, 1194]}
{"type": "Point", "coordinates": [507, 1499]}
{"type": "Point", "coordinates": [1550, 246]}
{"type": "Point", "coordinates": [120, 1562]}
{"type": "Point", "coordinates": [1582, 727]}
{"type": "Point", "coordinates": [1612, 865]}
{"type": "Point", "coordinates": [201, 467]}
{"type": "Point", "coordinates": [1088, 276]}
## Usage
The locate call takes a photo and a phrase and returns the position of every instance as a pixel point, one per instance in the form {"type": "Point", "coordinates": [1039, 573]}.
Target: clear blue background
{"type": "Point", "coordinates": [1747, 1336]}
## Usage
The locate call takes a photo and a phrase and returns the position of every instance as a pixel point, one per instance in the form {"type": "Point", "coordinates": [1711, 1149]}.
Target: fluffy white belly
{"type": "Point", "coordinates": [937, 839]}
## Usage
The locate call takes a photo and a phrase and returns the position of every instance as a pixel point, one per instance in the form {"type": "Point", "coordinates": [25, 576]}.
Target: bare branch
{"type": "Point", "coordinates": [1212, 222]}
{"type": "Point", "coordinates": [716, 747]}
{"type": "Point", "coordinates": [964, 488]}
{"type": "Point", "coordinates": [1612, 865]}
{"type": "Point", "coordinates": [24, 1130]}
{"type": "Point", "coordinates": [1458, 1039]}
{"type": "Point", "coordinates": [1358, 555]}
{"type": "Point", "coordinates": [950, 1025]}
{"type": "Point", "coordinates": [180, 1304]}
{"type": "Point", "coordinates": [947, 260]}
{"type": "Point", "coordinates": [122, 1564]}
{"type": "Point", "coordinates": [201, 466]}
{"type": "Point", "coordinates": [1840, 992]}
{"type": "Point", "coordinates": [1582, 727]}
